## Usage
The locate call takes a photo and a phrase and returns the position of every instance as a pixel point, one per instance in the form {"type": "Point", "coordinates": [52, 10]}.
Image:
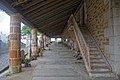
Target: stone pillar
{"type": "Point", "coordinates": [14, 43]}
{"type": "Point", "coordinates": [34, 42]}
{"type": "Point", "coordinates": [44, 41]}
{"type": "Point", "coordinates": [115, 56]}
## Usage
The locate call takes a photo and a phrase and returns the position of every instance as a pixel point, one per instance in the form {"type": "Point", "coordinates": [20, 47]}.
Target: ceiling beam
{"type": "Point", "coordinates": [53, 31]}
{"type": "Point", "coordinates": [32, 3]}
{"type": "Point", "coordinates": [64, 18]}
{"type": "Point", "coordinates": [5, 6]}
{"type": "Point", "coordinates": [52, 26]}
{"type": "Point", "coordinates": [58, 32]}
{"type": "Point", "coordinates": [46, 8]}
{"type": "Point", "coordinates": [55, 26]}
{"type": "Point", "coordinates": [54, 18]}
{"type": "Point", "coordinates": [38, 6]}
{"type": "Point", "coordinates": [56, 11]}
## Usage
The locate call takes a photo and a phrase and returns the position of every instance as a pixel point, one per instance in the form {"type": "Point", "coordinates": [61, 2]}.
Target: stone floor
{"type": "Point", "coordinates": [56, 64]}
{"type": "Point", "coordinates": [4, 61]}
{"type": "Point", "coordinates": [59, 64]}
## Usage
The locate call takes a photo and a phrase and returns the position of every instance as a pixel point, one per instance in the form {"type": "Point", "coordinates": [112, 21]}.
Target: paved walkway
{"type": "Point", "coordinates": [56, 64]}
{"type": "Point", "coordinates": [59, 64]}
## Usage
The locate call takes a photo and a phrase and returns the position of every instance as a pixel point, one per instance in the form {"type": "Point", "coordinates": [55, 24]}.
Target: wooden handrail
{"type": "Point", "coordinates": [101, 52]}
{"type": "Point", "coordinates": [81, 42]}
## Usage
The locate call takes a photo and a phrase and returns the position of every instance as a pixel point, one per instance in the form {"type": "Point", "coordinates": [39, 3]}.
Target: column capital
{"type": "Point", "coordinates": [16, 15]}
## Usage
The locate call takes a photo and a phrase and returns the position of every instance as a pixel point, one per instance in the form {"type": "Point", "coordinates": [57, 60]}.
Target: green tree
{"type": "Point", "coordinates": [25, 30]}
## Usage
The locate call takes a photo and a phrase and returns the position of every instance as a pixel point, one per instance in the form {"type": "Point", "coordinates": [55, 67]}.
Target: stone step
{"type": "Point", "coordinates": [94, 51]}
{"type": "Point", "coordinates": [93, 48]}
{"type": "Point", "coordinates": [99, 66]}
{"type": "Point", "coordinates": [99, 72]}
{"type": "Point", "coordinates": [102, 74]}
{"type": "Point", "coordinates": [97, 60]}
{"type": "Point", "coordinates": [95, 57]}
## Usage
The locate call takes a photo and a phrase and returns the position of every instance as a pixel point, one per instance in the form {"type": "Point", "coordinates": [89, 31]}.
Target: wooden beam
{"type": "Point", "coordinates": [32, 3]}
{"type": "Point", "coordinates": [52, 26]}
{"type": "Point", "coordinates": [10, 10]}
{"type": "Point", "coordinates": [53, 22]}
{"type": "Point", "coordinates": [56, 11]}
{"type": "Point", "coordinates": [38, 6]}
{"type": "Point", "coordinates": [54, 18]}
{"type": "Point", "coordinates": [48, 8]}
{"type": "Point", "coordinates": [72, 34]}
{"type": "Point", "coordinates": [5, 6]}
{"type": "Point", "coordinates": [55, 32]}
{"type": "Point", "coordinates": [55, 28]}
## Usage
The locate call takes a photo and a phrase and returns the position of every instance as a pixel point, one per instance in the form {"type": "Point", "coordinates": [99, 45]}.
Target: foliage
{"type": "Point", "coordinates": [42, 50]}
{"type": "Point", "coordinates": [25, 30]}
{"type": "Point", "coordinates": [27, 61]}
{"type": "Point", "coordinates": [38, 33]}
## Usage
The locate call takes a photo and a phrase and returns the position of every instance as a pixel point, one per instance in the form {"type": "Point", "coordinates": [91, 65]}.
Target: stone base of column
{"type": "Point", "coordinates": [15, 69]}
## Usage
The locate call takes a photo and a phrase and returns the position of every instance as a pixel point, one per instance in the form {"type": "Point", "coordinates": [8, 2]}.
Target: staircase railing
{"type": "Point", "coordinates": [101, 52]}
{"type": "Point", "coordinates": [84, 49]}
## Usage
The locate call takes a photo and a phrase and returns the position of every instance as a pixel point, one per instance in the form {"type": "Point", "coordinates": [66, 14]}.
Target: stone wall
{"type": "Point", "coordinates": [98, 14]}
{"type": "Point", "coordinates": [103, 20]}
{"type": "Point", "coordinates": [102, 17]}
{"type": "Point", "coordinates": [116, 37]}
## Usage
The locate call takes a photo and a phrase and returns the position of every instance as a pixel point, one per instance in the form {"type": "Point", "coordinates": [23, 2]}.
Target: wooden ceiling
{"type": "Point", "coordinates": [48, 16]}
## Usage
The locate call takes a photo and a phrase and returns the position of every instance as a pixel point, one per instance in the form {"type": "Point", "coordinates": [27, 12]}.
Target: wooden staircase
{"type": "Point", "coordinates": [96, 63]}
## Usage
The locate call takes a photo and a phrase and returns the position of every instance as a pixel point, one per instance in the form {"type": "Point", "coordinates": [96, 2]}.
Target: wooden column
{"type": "Point", "coordinates": [42, 41]}
{"type": "Point", "coordinates": [34, 42]}
{"type": "Point", "coordinates": [14, 43]}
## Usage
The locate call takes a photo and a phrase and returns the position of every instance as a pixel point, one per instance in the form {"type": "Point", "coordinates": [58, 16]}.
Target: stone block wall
{"type": "Point", "coordinates": [116, 37]}
{"type": "Point", "coordinates": [103, 20]}
{"type": "Point", "coordinates": [98, 14]}
{"type": "Point", "coordinates": [102, 17]}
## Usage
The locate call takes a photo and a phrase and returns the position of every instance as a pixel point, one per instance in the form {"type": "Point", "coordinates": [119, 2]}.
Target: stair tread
{"type": "Point", "coordinates": [100, 72]}
{"type": "Point", "coordinates": [95, 56]}
{"type": "Point", "coordinates": [96, 60]}
{"type": "Point", "coordinates": [98, 67]}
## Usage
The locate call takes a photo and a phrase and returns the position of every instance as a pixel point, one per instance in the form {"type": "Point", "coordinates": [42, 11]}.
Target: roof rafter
{"type": "Point", "coordinates": [34, 2]}
{"type": "Point", "coordinates": [67, 13]}
{"type": "Point", "coordinates": [44, 3]}
{"type": "Point", "coordinates": [47, 8]}
{"type": "Point", "coordinates": [56, 11]}
{"type": "Point", "coordinates": [54, 22]}
{"type": "Point", "coordinates": [52, 26]}
{"type": "Point", "coordinates": [56, 32]}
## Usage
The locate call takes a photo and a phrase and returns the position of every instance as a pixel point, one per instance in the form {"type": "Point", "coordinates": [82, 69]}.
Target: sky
{"type": "Point", "coordinates": [5, 23]}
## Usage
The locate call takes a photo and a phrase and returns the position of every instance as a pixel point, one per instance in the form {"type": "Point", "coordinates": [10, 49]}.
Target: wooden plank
{"type": "Point", "coordinates": [38, 6]}
{"type": "Point", "coordinates": [51, 27]}
{"type": "Point", "coordinates": [47, 8]}
{"type": "Point", "coordinates": [55, 18]}
{"type": "Point", "coordinates": [56, 11]}
{"type": "Point", "coordinates": [57, 21]}
{"type": "Point", "coordinates": [55, 28]}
